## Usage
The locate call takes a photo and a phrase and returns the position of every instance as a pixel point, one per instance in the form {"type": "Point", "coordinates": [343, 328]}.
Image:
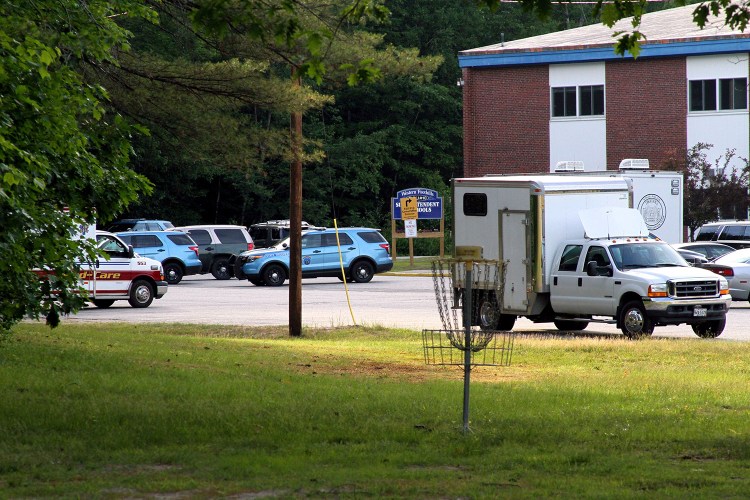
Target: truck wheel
{"type": "Point", "coordinates": [362, 272]}
{"type": "Point", "coordinates": [274, 275]}
{"type": "Point", "coordinates": [220, 269]}
{"type": "Point", "coordinates": [173, 273]}
{"type": "Point", "coordinates": [141, 294]}
{"type": "Point", "coordinates": [566, 325]}
{"type": "Point", "coordinates": [487, 314]}
{"type": "Point", "coordinates": [103, 303]}
{"type": "Point", "coordinates": [633, 320]}
{"type": "Point", "coordinates": [709, 329]}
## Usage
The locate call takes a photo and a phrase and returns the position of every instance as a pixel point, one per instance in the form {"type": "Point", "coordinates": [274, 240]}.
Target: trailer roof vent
{"type": "Point", "coordinates": [569, 166]}
{"type": "Point", "coordinates": [634, 164]}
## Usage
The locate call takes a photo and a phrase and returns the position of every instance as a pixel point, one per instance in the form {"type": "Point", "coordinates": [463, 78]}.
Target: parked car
{"type": "Point", "coordinates": [710, 251]}
{"type": "Point", "coordinates": [269, 233]}
{"type": "Point", "coordinates": [735, 267]}
{"type": "Point", "coordinates": [692, 258]}
{"type": "Point", "coordinates": [139, 225]}
{"type": "Point", "coordinates": [176, 251]}
{"type": "Point", "coordinates": [216, 246]}
{"type": "Point", "coordinates": [736, 234]}
{"type": "Point", "coordinates": [364, 251]}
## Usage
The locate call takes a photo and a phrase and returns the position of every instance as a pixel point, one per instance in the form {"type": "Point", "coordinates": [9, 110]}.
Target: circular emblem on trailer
{"type": "Point", "coordinates": [654, 210]}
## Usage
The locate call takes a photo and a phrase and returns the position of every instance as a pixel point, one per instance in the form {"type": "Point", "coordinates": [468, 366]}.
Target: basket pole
{"type": "Point", "coordinates": [467, 342]}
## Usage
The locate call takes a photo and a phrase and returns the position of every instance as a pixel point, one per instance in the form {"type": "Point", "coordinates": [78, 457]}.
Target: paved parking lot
{"type": "Point", "coordinates": [388, 300]}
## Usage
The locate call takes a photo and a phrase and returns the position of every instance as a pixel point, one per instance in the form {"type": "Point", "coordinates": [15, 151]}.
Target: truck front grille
{"type": "Point", "coordinates": [693, 289]}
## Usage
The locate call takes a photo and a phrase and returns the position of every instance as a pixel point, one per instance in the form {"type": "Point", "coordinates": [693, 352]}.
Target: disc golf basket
{"type": "Point", "coordinates": [474, 289]}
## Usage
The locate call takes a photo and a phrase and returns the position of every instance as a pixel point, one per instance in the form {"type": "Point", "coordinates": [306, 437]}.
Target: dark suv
{"type": "Point", "coordinates": [736, 234]}
{"type": "Point", "coordinates": [217, 244]}
{"type": "Point", "coordinates": [267, 234]}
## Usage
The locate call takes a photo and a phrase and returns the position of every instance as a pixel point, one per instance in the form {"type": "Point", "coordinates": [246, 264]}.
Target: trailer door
{"type": "Point", "coordinates": [514, 252]}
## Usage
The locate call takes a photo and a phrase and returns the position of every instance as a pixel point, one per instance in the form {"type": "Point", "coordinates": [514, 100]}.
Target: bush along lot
{"type": "Point", "coordinates": [113, 410]}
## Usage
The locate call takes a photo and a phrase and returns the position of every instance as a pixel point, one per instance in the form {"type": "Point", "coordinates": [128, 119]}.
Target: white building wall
{"type": "Point", "coordinates": [724, 129]}
{"type": "Point", "coordinates": [578, 138]}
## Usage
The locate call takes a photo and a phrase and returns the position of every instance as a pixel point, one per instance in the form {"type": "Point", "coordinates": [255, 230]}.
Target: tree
{"type": "Point", "coordinates": [712, 191]}
{"type": "Point", "coordinates": [59, 148]}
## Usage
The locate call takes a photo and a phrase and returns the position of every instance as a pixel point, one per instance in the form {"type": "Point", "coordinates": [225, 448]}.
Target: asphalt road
{"type": "Point", "coordinates": [388, 300]}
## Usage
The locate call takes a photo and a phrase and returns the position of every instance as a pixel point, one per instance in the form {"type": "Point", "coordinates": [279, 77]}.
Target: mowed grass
{"type": "Point", "coordinates": [180, 411]}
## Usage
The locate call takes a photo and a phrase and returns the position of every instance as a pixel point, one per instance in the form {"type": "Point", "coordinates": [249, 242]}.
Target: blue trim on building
{"type": "Point", "coordinates": [692, 48]}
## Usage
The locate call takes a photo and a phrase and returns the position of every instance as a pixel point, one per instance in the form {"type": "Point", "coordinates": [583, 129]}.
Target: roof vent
{"type": "Point", "coordinates": [634, 164]}
{"type": "Point", "coordinates": [569, 166]}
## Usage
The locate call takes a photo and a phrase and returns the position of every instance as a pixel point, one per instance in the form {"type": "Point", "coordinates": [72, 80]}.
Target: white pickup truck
{"type": "Point", "coordinates": [572, 250]}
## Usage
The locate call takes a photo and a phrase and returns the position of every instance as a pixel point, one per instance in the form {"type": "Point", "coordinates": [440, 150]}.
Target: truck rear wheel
{"type": "Point", "coordinates": [709, 329]}
{"type": "Point", "coordinates": [568, 325]}
{"type": "Point", "coordinates": [490, 318]}
{"type": "Point", "coordinates": [633, 320]}
{"type": "Point", "coordinates": [103, 303]}
{"type": "Point", "coordinates": [141, 294]}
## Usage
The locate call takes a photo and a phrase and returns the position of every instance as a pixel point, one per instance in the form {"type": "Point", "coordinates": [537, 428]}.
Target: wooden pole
{"type": "Point", "coordinates": [295, 221]}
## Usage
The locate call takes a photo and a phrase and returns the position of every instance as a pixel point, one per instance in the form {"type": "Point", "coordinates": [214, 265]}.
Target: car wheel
{"type": "Point", "coordinates": [567, 325]}
{"type": "Point", "coordinates": [362, 272]}
{"type": "Point", "coordinates": [633, 321]}
{"type": "Point", "coordinates": [256, 281]}
{"type": "Point", "coordinates": [173, 273]}
{"type": "Point", "coordinates": [141, 294]}
{"type": "Point", "coordinates": [709, 329]}
{"type": "Point", "coordinates": [103, 303]}
{"type": "Point", "coordinates": [274, 275]}
{"type": "Point", "coordinates": [220, 269]}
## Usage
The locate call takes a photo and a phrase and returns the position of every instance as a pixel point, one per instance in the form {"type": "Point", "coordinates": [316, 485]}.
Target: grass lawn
{"type": "Point", "coordinates": [180, 411]}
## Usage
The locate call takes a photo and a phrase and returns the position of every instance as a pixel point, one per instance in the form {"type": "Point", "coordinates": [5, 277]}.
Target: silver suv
{"type": "Point", "coordinates": [217, 244]}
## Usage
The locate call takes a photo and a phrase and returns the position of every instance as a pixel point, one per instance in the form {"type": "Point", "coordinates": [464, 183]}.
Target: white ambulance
{"type": "Point", "coordinates": [124, 275]}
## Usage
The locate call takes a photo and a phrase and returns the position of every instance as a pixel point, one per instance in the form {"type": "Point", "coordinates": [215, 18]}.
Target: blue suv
{"type": "Point", "coordinates": [364, 251]}
{"type": "Point", "coordinates": [176, 251]}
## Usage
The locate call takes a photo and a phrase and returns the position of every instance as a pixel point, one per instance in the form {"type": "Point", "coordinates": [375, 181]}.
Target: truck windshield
{"type": "Point", "coordinates": [647, 254]}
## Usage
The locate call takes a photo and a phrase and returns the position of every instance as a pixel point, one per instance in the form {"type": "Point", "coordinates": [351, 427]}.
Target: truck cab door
{"type": "Point", "coordinates": [577, 291]}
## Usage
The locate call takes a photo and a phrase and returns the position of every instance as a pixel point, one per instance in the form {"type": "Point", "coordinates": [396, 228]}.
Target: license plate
{"type": "Point", "coordinates": [699, 312]}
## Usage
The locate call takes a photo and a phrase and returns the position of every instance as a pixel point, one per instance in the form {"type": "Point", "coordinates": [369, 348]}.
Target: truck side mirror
{"type": "Point", "coordinates": [131, 252]}
{"type": "Point", "coordinates": [592, 269]}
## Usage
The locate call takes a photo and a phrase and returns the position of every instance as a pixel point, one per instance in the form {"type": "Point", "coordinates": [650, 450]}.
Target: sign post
{"type": "Point", "coordinates": [412, 204]}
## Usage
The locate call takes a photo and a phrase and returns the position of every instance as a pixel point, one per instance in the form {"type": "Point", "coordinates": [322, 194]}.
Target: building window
{"type": "Point", "coordinates": [564, 101]}
{"type": "Point", "coordinates": [592, 100]}
{"type": "Point", "coordinates": [733, 93]}
{"type": "Point", "coordinates": [702, 95]}
{"type": "Point", "coordinates": [586, 100]}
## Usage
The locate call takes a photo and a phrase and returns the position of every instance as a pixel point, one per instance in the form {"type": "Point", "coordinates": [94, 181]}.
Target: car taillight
{"type": "Point", "coordinates": [727, 272]}
{"type": "Point", "coordinates": [386, 246]}
{"type": "Point", "coordinates": [194, 249]}
{"type": "Point", "coordinates": [251, 246]}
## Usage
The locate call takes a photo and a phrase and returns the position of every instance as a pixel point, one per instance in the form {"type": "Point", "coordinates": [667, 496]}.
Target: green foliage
{"type": "Point", "coordinates": [60, 147]}
{"type": "Point", "coordinates": [715, 190]}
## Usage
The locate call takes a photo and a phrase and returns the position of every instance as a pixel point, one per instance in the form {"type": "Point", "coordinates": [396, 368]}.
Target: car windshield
{"type": "Point", "coordinates": [647, 254]}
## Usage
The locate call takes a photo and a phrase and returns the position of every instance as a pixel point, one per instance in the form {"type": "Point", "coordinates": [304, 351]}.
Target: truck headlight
{"type": "Point", "coordinates": [723, 287]}
{"type": "Point", "coordinates": [658, 290]}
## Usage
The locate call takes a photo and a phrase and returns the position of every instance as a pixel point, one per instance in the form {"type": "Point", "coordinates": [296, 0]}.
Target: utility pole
{"type": "Point", "coordinates": [295, 220]}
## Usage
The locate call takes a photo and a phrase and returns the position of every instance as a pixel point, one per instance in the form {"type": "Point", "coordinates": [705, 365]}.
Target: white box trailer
{"type": "Point", "coordinates": [532, 216]}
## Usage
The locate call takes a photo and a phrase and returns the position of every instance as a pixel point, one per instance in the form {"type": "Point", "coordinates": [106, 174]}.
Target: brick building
{"type": "Point", "coordinates": [531, 103]}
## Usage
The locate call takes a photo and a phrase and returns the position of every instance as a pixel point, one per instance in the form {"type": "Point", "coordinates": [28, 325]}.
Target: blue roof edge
{"type": "Point", "coordinates": [692, 48]}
